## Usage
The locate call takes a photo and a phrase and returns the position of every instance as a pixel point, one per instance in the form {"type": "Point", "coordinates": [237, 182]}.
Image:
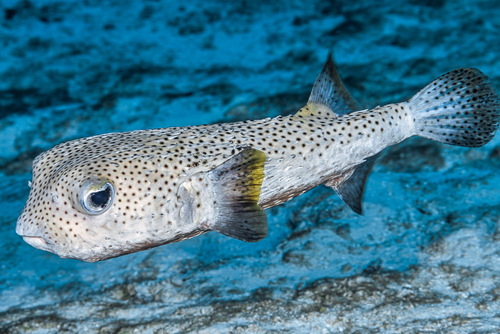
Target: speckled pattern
{"type": "Point", "coordinates": [161, 178]}
{"type": "Point", "coordinates": [476, 119]}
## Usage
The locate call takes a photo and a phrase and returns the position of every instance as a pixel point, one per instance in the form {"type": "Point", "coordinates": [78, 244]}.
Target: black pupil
{"type": "Point", "coordinates": [101, 198]}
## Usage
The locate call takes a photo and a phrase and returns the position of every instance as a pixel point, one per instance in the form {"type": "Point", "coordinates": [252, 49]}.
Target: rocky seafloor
{"type": "Point", "coordinates": [423, 258]}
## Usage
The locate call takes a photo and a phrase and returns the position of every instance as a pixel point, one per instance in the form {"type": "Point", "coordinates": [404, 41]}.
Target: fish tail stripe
{"type": "Point", "coordinates": [237, 184]}
{"type": "Point", "coordinates": [459, 108]}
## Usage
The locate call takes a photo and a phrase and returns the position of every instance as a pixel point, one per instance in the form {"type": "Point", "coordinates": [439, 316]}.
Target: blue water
{"type": "Point", "coordinates": [425, 254]}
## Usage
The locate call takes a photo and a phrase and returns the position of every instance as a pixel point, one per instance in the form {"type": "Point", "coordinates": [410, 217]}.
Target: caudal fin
{"type": "Point", "coordinates": [460, 108]}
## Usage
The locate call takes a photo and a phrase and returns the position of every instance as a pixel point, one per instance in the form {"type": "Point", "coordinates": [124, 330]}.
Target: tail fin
{"type": "Point", "coordinates": [460, 108]}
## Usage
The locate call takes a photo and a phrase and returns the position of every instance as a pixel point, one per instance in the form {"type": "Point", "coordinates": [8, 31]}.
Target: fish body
{"type": "Point", "coordinates": [109, 195]}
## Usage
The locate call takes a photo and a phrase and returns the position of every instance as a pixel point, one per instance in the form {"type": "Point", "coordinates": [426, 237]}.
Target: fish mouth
{"type": "Point", "coordinates": [37, 242]}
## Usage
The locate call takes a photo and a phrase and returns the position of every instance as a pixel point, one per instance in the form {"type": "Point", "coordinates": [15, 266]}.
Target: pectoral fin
{"type": "Point", "coordinates": [351, 184]}
{"type": "Point", "coordinates": [237, 184]}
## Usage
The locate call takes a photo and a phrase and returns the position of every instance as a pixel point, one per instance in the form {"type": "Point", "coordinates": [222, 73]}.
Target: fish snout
{"type": "Point", "coordinates": [31, 234]}
{"type": "Point", "coordinates": [25, 229]}
{"type": "Point", "coordinates": [37, 242]}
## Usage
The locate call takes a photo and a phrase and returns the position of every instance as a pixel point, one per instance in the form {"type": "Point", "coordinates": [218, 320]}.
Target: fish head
{"type": "Point", "coordinates": [87, 206]}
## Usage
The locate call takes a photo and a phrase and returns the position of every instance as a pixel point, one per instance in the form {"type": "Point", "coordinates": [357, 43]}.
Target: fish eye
{"type": "Point", "coordinates": [95, 196]}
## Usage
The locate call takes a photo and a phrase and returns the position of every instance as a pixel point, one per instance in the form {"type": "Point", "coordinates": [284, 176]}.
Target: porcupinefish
{"type": "Point", "coordinates": [104, 196]}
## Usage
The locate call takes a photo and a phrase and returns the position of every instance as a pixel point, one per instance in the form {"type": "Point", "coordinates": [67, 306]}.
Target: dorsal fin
{"type": "Point", "coordinates": [329, 94]}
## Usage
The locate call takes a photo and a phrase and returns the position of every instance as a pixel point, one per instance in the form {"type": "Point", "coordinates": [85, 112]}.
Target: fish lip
{"type": "Point", "coordinates": [19, 227]}
{"type": "Point", "coordinates": [37, 242]}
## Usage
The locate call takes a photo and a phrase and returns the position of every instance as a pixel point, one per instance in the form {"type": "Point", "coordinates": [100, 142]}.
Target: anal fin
{"type": "Point", "coordinates": [351, 184]}
{"type": "Point", "coordinates": [237, 185]}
